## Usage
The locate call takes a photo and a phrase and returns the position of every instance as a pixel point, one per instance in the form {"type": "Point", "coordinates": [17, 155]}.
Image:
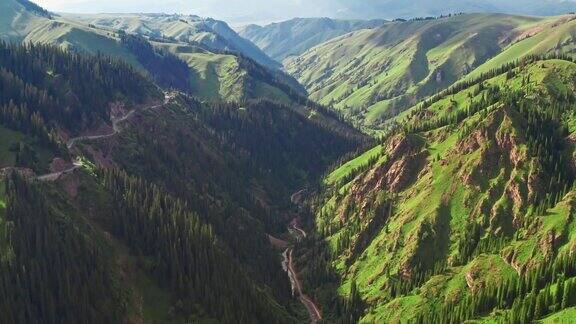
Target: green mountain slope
{"type": "Point", "coordinates": [550, 37]}
{"type": "Point", "coordinates": [296, 36]}
{"type": "Point", "coordinates": [213, 34]}
{"type": "Point", "coordinates": [465, 212]}
{"type": "Point", "coordinates": [18, 17]}
{"type": "Point", "coordinates": [228, 77]}
{"type": "Point", "coordinates": [372, 75]}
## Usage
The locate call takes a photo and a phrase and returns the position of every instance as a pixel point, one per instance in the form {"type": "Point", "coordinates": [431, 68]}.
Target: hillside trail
{"type": "Point", "coordinates": [116, 129]}
{"type": "Point", "coordinates": [288, 265]}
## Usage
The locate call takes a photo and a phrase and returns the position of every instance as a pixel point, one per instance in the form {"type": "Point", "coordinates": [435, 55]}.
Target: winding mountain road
{"type": "Point", "coordinates": [297, 195]}
{"type": "Point", "coordinates": [115, 130]}
{"type": "Point", "coordinates": [116, 123]}
{"type": "Point", "coordinates": [54, 176]}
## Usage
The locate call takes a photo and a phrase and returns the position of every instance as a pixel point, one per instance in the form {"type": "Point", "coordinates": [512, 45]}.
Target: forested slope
{"type": "Point", "coordinates": [47, 94]}
{"type": "Point", "coordinates": [166, 217]}
{"type": "Point", "coordinates": [53, 269]}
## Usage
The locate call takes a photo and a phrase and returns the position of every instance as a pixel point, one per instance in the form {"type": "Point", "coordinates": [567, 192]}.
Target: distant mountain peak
{"type": "Point", "coordinates": [295, 36]}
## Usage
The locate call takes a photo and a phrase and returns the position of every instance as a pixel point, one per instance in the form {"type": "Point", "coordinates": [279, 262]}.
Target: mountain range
{"type": "Point", "coordinates": [373, 75]}
{"type": "Point", "coordinates": [164, 168]}
{"type": "Point", "coordinates": [213, 34]}
{"type": "Point", "coordinates": [262, 12]}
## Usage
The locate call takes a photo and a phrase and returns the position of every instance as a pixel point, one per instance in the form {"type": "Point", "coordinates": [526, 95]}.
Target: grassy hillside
{"type": "Point", "coordinates": [17, 18]}
{"type": "Point", "coordinates": [227, 77]}
{"type": "Point", "coordinates": [372, 75]}
{"type": "Point", "coordinates": [550, 36]}
{"type": "Point", "coordinates": [21, 24]}
{"type": "Point", "coordinates": [456, 213]}
{"type": "Point", "coordinates": [212, 34]}
{"type": "Point", "coordinates": [294, 37]}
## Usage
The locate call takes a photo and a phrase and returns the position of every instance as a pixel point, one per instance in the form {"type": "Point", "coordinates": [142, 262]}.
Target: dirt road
{"type": "Point", "coordinates": [116, 124]}
{"type": "Point", "coordinates": [115, 130]}
{"type": "Point", "coordinates": [54, 176]}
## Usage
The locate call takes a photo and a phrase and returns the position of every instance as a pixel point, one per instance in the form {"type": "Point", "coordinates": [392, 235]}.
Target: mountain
{"type": "Point", "coordinates": [464, 212]}
{"type": "Point", "coordinates": [241, 13]}
{"type": "Point", "coordinates": [156, 205]}
{"type": "Point", "coordinates": [16, 16]}
{"type": "Point", "coordinates": [295, 36]}
{"type": "Point", "coordinates": [192, 65]}
{"type": "Point", "coordinates": [372, 75]}
{"type": "Point", "coordinates": [212, 34]}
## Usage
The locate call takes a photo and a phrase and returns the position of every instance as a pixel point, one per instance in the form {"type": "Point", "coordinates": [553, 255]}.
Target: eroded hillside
{"type": "Point", "coordinates": [454, 215]}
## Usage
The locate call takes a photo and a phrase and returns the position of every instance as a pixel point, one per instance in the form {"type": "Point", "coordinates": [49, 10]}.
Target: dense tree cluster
{"type": "Point", "coordinates": [43, 87]}
{"type": "Point", "coordinates": [187, 254]}
{"type": "Point", "coordinates": [301, 148]}
{"type": "Point", "coordinates": [235, 146]}
{"type": "Point", "coordinates": [54, 270]}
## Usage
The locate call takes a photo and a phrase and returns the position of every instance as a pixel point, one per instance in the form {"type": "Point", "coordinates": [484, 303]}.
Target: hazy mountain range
{"type": "Point", "coordinates": [242, 12]}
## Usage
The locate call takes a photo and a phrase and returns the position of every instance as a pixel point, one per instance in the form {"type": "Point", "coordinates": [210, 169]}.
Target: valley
{"type": "Point", "coordinates": [173, 168]}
